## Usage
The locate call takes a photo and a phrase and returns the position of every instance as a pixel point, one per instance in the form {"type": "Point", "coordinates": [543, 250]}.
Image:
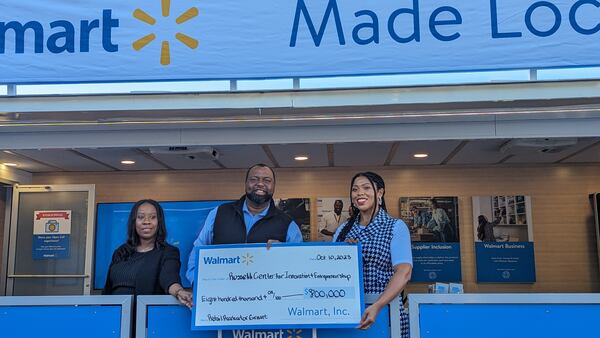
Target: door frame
{"type": "Point", "coordinates": [5, 242]}
{"type": "Point", "coordinates": [89, 245]}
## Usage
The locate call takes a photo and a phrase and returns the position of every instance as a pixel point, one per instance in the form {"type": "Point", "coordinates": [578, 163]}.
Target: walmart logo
{"type": "Point", "coordinates": [294, 333]}
{"type": "Point", "coordinates": [218, 260]}
{"type": "Point", "coordinates": [165, 54]}
{"type": "Point", "coordinates": [247, 259]}
{"type": "Point", "coordinates": [265, 334]}
{"type": "Point", "coordinates": [64, 36]}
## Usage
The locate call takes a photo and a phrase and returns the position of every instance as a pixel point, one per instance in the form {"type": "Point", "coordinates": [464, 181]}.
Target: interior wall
{"type": "Point", "coordinates": [563, 228]}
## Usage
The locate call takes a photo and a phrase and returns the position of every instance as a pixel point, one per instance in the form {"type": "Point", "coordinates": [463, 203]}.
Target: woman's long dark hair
{"type": "Point", "coordinates": [377, 183]}
{"type": "Point", "coordinates": [482, 220]}
{"type": "Point", "coordinates": [133, 239]}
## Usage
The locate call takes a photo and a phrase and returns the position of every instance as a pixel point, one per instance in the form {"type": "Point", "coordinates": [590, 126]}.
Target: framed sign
{"type": "Point", "coordinates": [51, 234]}
{"type": "Point", "coordinates": [504, 248]}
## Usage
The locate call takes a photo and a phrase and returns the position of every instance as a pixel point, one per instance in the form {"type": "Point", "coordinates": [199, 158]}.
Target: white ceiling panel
{"type": "Point", "coordinates": [64, 159]}
{"type": "Point", "coordinates": [590, 155]}
{"type": "Point", "coordinates": [437, 151]}
{"type": "Point", "coordinates": [186, 162]}
{"type": "Point", "coordinates": [284, 155]}
{"type": "Point", "coordinates": [361, 154]}
{"type": "Point", "coordinates": [114, 156]}
{"type": "Point", "coordinates": [242, 156]}
{"type": "Point", "coordinates": [24, 163]}
{"type": "Point", "coordinates": [479, 152]}
{"type": "Point", "coordinates": [534, 155]}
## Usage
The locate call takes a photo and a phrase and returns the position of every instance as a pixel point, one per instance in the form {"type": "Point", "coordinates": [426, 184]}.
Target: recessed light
{"type": "Point", "coordinates": [8, 164]}
{"type": "Point", "coordinates": [301, 158]}
{"type": "Point", "coordinates": [420, 155]}
{"type": "Point", "coordinates": [127, 162]}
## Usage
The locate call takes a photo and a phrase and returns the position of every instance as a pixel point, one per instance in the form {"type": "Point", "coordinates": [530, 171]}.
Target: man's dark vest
{"type": "Point", "coordinates": [229, 226]}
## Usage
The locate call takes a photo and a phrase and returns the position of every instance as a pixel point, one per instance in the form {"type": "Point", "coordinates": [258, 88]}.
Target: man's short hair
{"type": "Point", "coordinates": [261, 165]}
{"type": "Point", "coordinates": [338, 201]}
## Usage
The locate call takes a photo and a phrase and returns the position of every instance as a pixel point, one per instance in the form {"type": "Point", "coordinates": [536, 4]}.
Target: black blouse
{"type": "Point", "coordinates": [144, 273]}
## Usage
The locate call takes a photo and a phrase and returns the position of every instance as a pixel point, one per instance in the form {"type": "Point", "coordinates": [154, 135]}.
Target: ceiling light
{"type": "Point", "coordinates": [8, 164]}
{"type": "Point", "coordinates": [301, 158]}
{"type": "Point", "coordinates": [127, 162]}
{"type": "Point", "coordinates": [422, 155]}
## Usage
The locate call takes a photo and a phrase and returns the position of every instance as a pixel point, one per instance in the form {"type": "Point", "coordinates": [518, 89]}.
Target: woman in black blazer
{"type": "Point", "coordinates": [146, 264]}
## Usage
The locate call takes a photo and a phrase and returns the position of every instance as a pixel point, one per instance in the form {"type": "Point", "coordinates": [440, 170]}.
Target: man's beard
{"type": "Point", "coordinates": [258, 199]}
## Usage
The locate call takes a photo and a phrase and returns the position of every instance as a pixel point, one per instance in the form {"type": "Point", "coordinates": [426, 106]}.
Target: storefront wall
{"type": "Point", "coordinates": [563, 230]}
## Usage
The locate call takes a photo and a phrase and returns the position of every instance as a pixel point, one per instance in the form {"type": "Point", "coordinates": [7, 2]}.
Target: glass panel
{"type": "Point", "coordinates": [74, 264]}
{"type": "Point", "coordinates": [47, 286]}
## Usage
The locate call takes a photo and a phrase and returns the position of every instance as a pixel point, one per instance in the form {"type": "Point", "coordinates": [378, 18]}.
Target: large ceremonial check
{"type": "Point", "coordinates": [306, 285]}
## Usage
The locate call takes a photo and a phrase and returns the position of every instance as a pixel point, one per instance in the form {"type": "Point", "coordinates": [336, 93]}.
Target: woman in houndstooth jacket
{"type": "Point", "coordinates": [385, 241]}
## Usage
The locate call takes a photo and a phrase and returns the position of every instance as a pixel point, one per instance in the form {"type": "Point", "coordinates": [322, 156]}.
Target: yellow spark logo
{"type": "Point", "coordinates": [247, 259]}
{"type": "Point", "coordinates": [165, 54]}
{"type": "Point", "coordinates": [294, 333]}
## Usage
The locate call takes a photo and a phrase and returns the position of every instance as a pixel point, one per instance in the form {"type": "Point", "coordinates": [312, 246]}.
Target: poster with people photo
{"type": "Point", "coordinates": [331, 213]}
{"type": "Point", "coordinates": [431, 219]}
{"type": "Point", "coordinates": [299, 210]}
{"type": "Point", "coordinates": [503, 232]}
{"type": "Point", "coordinates": [434, 233]}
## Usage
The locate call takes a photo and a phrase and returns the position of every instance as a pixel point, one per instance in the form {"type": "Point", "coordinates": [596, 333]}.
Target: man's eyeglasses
{"type": "Point", "coordinates": [256, 179]}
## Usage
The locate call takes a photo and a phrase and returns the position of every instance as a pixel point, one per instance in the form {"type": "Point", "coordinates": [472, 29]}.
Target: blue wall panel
{"type": "Point", "coordinates": [60, 321]}
{"type": "Point", "coordinates": [184, 221]}
{"type": "Point", "coordinates": [166, 321]}
{"type": "Point", "coordinates": [508, 320]}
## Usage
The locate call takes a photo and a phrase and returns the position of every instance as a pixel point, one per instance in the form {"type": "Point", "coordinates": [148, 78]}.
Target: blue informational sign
{"type": "Point", "coordinates": [50, 246]}
{"type": "Point", "coordinates": [184, 221]}
{"type": "Point", "coordinates": [436, 262]}
{"type": "Point", "coordinates": [70, 41]}
{"type": "Point", "coordinates": [508, 262]}
{"type": "Point", "coordinates": [51, 234]}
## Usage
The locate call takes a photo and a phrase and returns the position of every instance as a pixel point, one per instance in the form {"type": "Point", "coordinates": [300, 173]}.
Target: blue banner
{"type": "Point", "coordinates": [510, 262]}
{"type": "Point", "coordinates": [436, 262]}
{"type": "Point", "coordinates": [81, 41]}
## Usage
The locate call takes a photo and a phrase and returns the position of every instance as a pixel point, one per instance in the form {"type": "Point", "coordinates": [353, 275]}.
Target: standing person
{"type": "Point", "coordinates": [146, 264]}
{"type": "Point", "coordinates": [440, 224]}
{"type": "Point", "coordinates": [331, 221]}
{"type": "Point", "coordinates": [386, 249]}
{"type": "Point", "coordinates": [485, 228]}
{"type": "Point", "coordinates": [251, 219]}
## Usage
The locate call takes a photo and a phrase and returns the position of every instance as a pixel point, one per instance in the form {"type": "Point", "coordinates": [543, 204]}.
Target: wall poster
{"type": "Point", "coordinates": [503, 239]}
{"type": "Point", "coordinates": [331, 213]}
{"type": "Point", "coordinates": [299, 210]}
{"type": "Point", "coordinates": [434, 233]}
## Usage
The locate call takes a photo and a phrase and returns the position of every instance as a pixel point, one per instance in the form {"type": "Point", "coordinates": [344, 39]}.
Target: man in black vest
{"type": "Point", "coordinates": [251, 219]}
